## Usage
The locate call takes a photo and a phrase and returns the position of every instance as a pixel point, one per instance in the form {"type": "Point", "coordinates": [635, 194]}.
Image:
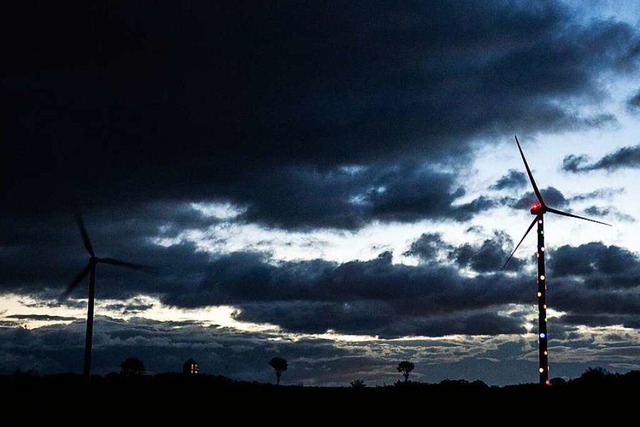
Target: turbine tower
{"type": "Point", "coordinates": [90, 269]}
{"type": "Point", "coordinates": [539, 208]}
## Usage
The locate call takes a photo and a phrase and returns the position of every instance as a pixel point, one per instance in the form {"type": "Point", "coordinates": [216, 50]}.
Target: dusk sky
{"type": "Point", "coordinates": [335, 183]}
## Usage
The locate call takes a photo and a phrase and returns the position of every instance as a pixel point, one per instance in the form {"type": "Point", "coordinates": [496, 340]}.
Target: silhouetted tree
{"type": "Point", "coordinates": [279, 365]}
{"type": "Point", "coordinates": [132, 367]}
{"type": "Point", "coordinates": [358, 383]}
{"type": "Point", "coordinates": [405, 367]}
{"type": "Point", "coordinates": [595, 375]}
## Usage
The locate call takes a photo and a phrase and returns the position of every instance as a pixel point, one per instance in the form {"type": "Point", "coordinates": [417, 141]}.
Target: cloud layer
{"type": "Point", "coordinates": [625, 157]}
{"type": "Point", "coordinates": [224, 101]}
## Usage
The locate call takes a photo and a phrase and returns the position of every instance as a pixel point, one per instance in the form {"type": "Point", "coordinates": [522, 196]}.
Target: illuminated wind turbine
{"type": "Point", "coordinates": [538, 209]}
{"type": "Point", "coordinates": [90, 269]}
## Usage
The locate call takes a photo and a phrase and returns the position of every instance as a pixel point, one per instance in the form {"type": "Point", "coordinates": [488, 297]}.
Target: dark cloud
{"type": "Point", "coordinates": [633, 103]}
{"type": "Point", "coordinates": [490, 256]}
{"type": "Point", "coordinates": [242, 277]}
{"type": "Point", "coordinates": [574, 163]}
{"type": "Point", "coordinates": [408, 197]}
{"type": "Point", "coordinates": [597, 264]}
{"type": "Point", "coordinates": [44, 317]}
{"type": "Point", "coordinates": [345, 198]}
{"type": "Point", "coordinates": [513, 179]}
{"type": "Point", "coordinates": [575, 298]}
{"type": "Point", "coordinates": [601, 193]}
{"type": "Point", "coordinates": [208, 101]}
{"type": "Point", "coordinates": [132, 307]}
{"type": "Point", "coordinates": [429, 247]}
{"type": "Point", "coordinates": [591, 319]}
{"type": "Point", "coordinates": [609, 212]}
{"type": "Point", "coordinates": [379, 318]}
{"type": "Point", "coordinates": [373, 296]}
{"type": "Point", "coordinates": [625, 157]}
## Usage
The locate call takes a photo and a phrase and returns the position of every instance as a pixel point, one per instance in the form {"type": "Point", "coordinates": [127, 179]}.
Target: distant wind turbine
{"type": "Point", "coordinates": [538, 209]}
{"type": "Point", "coordinates": [90, 269]}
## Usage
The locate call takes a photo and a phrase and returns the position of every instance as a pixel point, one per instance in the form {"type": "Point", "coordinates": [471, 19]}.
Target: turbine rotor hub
{"type": "Point", "coordinates": [537, 208]}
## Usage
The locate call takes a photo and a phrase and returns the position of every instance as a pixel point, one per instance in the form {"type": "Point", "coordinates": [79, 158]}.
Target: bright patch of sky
{"type": "Point", "coordinates": [331, 245]}
{"type": "Point", "coordinates": [622, 10]}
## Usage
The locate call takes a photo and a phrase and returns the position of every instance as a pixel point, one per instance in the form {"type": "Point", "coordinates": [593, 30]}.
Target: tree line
{"type": "Point", "coordinates": [133, 366]}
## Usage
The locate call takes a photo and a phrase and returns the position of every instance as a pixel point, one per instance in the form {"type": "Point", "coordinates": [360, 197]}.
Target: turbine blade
{"type": "Point", "coordinates": [117, 262]}
{"type": "Point", "coordinates": [521, 240]}
{"type": "Point", "coordinates": [83, 232]}
{"type": "Point", "coordinates": [533, 181]}
{"type": "Point", "coordinates": [557, 212]}
{"type": "Point", "coordinates": [74, 284]}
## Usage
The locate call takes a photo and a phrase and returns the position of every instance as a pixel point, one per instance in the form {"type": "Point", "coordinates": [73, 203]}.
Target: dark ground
{"type": "Point", "coordinates": [595, 394]}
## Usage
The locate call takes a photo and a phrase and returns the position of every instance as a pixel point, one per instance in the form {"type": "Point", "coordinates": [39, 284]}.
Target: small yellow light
{"type": "Point", "coordinates": [539, 294]}
{"type": "Point", "coordinates": [539, 221]}
{"type": "Point", "coordinates": [542, 249]}
{"type": "Point", "coordinates": [546, 353]}
{"type": "Point", "coordinates": [544, 306]}
{"type": "Point", "coordinates": [542, 277]}
{"type": "Point", "coordinates": [541, 370]}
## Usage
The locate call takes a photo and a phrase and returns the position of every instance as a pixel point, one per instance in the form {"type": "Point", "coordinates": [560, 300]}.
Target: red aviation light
{"type": "Point", "coordinates": [536, 207]}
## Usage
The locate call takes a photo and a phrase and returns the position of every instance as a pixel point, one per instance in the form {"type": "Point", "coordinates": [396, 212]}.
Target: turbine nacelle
{"type": "Point", "coordinates": [537, 208]}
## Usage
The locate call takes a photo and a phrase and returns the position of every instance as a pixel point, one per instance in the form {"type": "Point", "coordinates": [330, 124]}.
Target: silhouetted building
{"type": "Point", "coordinates": [190, 367]}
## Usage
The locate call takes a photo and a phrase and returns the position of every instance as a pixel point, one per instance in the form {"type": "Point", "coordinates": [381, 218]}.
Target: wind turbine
{"type": "Point", "coordinates": [90, 269]}
{"type": "Point", "coordinates": [539, 208]}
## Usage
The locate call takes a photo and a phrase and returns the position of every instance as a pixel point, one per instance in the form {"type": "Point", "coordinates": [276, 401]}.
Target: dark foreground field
{"type": "Point", "coordinates": [209, 401]}
{"type": "Point", "coordinates": [593, 394]}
